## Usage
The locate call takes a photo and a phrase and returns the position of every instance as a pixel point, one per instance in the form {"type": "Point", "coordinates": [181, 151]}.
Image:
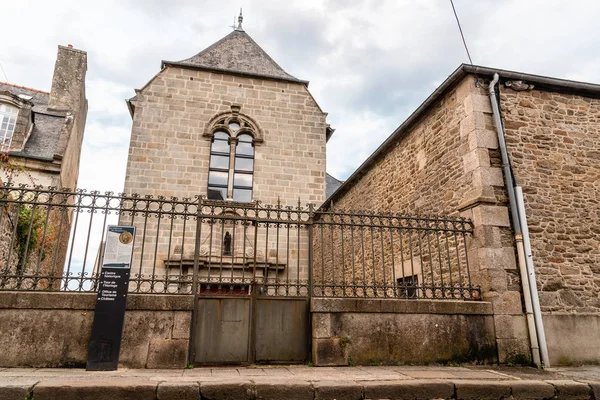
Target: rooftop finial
{"type": "Point", "coordinates": [240, 19]}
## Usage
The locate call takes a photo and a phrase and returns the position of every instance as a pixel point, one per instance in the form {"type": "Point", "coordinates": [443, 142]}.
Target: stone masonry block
{"type": "Point", "coordinates": [477, 103]}
{"type": "Point", "coordinates": [472, 122]}
{"type": "Point", "coordinates": [507, 303]}
{"type": "Point", "coordinates": [421, 159]}
{"type": "Point", "coordinates": [481, 138]}
{"type": "Point", "coordinates": [514, 351]}
{"type": "Point", "coordinates": [288, 391]}
{"type": "Point", "coordinates": [497, 258]}
{"type": "Point", "coordinates": [491, 215]}
{"type": "Point", "coordinates": [497, 280]}
{"type": "Point", "coordinates": [531, 390]}
{"type": "Point", "coordinates": [321, 325]}
{"type": "Point", "coordinates": [167, 353]}
{"type": "Point", "coordinates": [408, 389]}
{"type": "Point", "coordinates": [178, 391]}
{"type": "Point", "coordinates": [216, 390]}
{"type": "Point", "coordinates": [328, 352]}
{"type": "Point", "coordinates": [182, 324]}
{"type": "Point", "coordinates": [511, 327]}
{"type": "Point", "coordinates": [488, 176]}
{"type": "Point", "coordinates": [487, 236]}
{"type": "Point", "coordinates": [479, 390]}
{"type": "Point", "coordinates": [330, 390]}
{"type": "Point", "coordinates": [91, 389]}
{"type": "Point", "coordinates": [475, 159]}
{"type": "Point", "coordinates": [16, 390]}
{"type": "Point", "coordinates": [567, 389]}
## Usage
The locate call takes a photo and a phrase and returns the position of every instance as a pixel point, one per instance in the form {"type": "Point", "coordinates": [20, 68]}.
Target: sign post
{"type": "Point", "coordinates": [107, 329]}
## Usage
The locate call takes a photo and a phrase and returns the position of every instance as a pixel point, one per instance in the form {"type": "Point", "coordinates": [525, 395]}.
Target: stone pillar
{"type": "Point", "coordinates": [492, 252]}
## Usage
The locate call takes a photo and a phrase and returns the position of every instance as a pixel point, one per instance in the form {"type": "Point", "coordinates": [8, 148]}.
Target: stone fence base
{"type": "Point", "coordinates": [49, 329]}
{"type": "Point", "coordinates": [390, 331]}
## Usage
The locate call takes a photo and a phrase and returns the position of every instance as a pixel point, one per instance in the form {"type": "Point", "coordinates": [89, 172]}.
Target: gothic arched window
{"type": "Point", "coordinates": [231, 168]}
{"type": "Point", "coordinates": [243, 168]}
{"type": "Point", "coordinates": [218, 170]}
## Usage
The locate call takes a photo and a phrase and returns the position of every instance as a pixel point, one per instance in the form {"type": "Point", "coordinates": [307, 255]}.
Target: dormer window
{"type": "Point", "coordinates": [8, 120]}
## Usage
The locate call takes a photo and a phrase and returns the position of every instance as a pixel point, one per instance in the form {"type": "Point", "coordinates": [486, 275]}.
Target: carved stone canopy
{"type": "Point", "coordinates": [223, 120]}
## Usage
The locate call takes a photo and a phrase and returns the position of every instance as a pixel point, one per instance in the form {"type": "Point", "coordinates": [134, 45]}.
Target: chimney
{"type": "Point", "coordinates": [68, 82]}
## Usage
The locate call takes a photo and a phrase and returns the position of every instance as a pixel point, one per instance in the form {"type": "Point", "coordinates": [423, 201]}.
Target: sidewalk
{"type": "Point", "coordinates": [303, 382]}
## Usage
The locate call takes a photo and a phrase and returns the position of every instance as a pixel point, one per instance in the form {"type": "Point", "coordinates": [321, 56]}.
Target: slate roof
{"type": "Point", "coordinates": [331, 185]}
{"type": "Point", "coordinates": [237, 53]}
{"type": "Point", "coordinates": [541, 83]}
{"type": "Point", "coordinates": [43, 141]}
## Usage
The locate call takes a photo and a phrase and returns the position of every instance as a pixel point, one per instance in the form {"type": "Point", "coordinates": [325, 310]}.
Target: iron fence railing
{"type": "Point", "coordinates": [51, 239]}
{"type": "Point", "coordinates": [394, 256]}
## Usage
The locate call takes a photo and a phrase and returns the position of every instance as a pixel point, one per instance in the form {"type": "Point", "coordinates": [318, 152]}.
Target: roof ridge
{"type": "Point", "coordinates": [24, 87]}
{"type": "Point", "coordinates": [259, 63]}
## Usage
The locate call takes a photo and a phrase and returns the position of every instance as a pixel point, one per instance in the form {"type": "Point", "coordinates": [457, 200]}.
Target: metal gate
{"type": "Point", "coordinates": [251, 284]}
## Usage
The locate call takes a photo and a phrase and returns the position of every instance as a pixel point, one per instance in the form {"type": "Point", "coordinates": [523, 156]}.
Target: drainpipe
{"type": "Point", "coordinates": [535, 301]}
{"type": "Point", "coordinates": [535, 351]}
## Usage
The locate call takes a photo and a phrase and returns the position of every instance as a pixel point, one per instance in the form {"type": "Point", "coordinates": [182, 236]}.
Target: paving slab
{"type": "Point", "coordinates": [251, 372]}
{"type": "Point", "coordinates": [427, 374]}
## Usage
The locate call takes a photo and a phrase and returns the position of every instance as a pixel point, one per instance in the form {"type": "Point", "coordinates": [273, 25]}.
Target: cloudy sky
{"type": "Point", "coordinates": [370, 63]}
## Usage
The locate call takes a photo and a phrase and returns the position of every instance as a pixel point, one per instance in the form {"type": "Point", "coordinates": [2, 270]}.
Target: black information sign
{"type": "Point", "coordinates": [107, 329]}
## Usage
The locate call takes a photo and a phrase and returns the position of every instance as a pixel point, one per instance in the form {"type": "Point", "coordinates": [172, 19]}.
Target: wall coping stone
{"type": "Point", "coordinates": [397, 306]}
{"type": "Point", "coordinates": [87, 301]}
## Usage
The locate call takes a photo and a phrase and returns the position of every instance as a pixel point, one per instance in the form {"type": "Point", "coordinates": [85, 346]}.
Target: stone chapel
{"type": "Point", "coordinates": [230, 124]}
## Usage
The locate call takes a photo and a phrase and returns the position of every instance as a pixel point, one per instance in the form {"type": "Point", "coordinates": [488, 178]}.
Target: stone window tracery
{"type": "Point", "coordinates": [231, 167]}
{"type": "Point", "coordinates": [8, 120]}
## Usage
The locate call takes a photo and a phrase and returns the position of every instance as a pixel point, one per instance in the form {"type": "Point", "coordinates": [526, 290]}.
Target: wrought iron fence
{"type": "Point", "coordinates": [394, 256]}
{"type": "Point", "coordinates": [51, 239]}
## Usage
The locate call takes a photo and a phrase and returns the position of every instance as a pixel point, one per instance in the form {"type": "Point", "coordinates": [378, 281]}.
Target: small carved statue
{"type": "Point", "coordinates": [227, 244]}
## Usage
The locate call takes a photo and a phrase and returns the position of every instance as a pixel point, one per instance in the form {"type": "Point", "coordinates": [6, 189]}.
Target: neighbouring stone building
{"type": "Point", "coordinates": [445, 159]}
{"type": "Point", "coordinates": [228, 124]}
{"type": "Point", "coordinates": [43, 131]}
{"type": "Point", "coordinates": [41, 135]}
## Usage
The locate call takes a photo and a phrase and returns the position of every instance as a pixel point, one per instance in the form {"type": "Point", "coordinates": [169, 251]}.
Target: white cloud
{"type": "Point", "coordinates": [370, 63]}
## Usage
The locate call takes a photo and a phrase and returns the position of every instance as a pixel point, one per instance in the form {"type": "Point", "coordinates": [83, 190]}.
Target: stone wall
{"type": "Point", "coordinates": [447, 163]}
{"type": "Point", "coordinates": [53, 330]}
{"type": "Point", "coordinates": [396, 332]}
{"type": "Point", "coordinates": [554, 143]}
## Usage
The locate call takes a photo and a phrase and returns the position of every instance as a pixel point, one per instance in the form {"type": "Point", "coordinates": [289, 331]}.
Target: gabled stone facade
{"type": "Point", "coordinates": [191, 124]}
{"type": "Point", "coordinates": [177, 112]}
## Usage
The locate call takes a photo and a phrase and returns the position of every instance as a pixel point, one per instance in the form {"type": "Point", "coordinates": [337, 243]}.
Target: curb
{"type": "Point", "coordinates": [139, 389]}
